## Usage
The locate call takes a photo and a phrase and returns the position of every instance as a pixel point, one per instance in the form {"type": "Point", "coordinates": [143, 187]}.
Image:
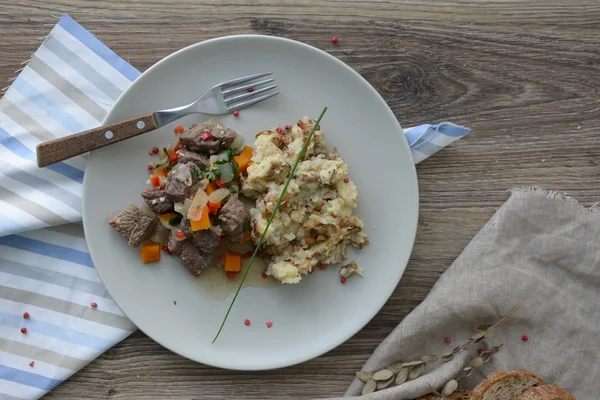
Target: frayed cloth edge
{"type": "Point", "coordinates": [555, 194]}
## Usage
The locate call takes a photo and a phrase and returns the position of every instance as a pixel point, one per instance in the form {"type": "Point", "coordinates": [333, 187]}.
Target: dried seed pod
{"type": "Point", "coordinates": [412, 363]}
{"type": "Point", "coordinates": [489, 332]}
{"type": "Point", "coordinates": [386, 383]}
{"type": "Point", "coordinates": [369, 387]}
{"type": "Point", "coordinates": [447, 356]}
{"type": "Point", "coordinates": [364, 376]}
{"type": "Point", "coordinates": [395, 368]}
{"type": "Point", "coordinates": [456, 349]}
{"type": "Point", "coordinates": [467, 371]}
{"type": "Point", "coordinates": [402, 376]}
{"type": "Point", "coordinates": [449, 388]}
{"type": "Point", "coordinates": [416, 371]}
{"type": "Point", "coordinates": [486, 355]}
{"type": "Point", "coordinates": [476, 362]}
{"type": "Point", "coordinates": [430, 358]}
{"type": "Point", "coordinates": [484, 328]}
{"type": "Point", "coordinates": [477, 336]}
{"type": "Point", "coordinates": [382, 375]}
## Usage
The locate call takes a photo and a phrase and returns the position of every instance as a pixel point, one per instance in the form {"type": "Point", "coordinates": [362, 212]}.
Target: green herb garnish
{"type": "Point", "coordinates": [167, 153]}
{"type": "Point", "coordinates": [262, 237]}
{"type": "Point", "coordinates": [231, 189]}
{"type": "Point", "coordinates": [174, 221]}
{"type": "Point", "coordinates": [246, 227]}
{"type": "Point", "coordinates": [235, 168]}
{"type": "Point", "coordinates": [213, 174]}
{"type": "Point", "coordinates": [230, 154]}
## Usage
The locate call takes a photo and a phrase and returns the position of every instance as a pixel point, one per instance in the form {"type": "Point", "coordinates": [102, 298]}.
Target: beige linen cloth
{"type": "Point", "coordinates": [539, 246]}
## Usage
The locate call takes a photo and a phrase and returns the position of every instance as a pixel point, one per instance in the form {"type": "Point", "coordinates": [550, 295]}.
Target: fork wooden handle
{"type": "Point", "coordinates": [61, 149]}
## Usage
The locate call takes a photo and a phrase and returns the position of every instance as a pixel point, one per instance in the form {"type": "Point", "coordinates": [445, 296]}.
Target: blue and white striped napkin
{"type": "Point", "coordinates": [68, 86]}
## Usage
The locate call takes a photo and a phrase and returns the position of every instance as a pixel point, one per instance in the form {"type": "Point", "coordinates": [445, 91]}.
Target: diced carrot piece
{"type": "Point", "coordinates": [150, 252]}
{"type": "Point", "coordinates": [213, 210]}
{"type": "Point", "coordinates": [162, 172]}
{"type": "Point", "coordinates": [180, 235]}
{"type": "Point", "coordinates": [166, 217]}
{"type": "Point", "coordinates": [245, 238]}
{"type": "Point", "coordinates": [211, 188]}
{"type": "Point", "coordinates": [155, 180]}
{"type": "Point", "coordinates": [203, 222]}
{"type": "Point", "coordinates": [243, 159]}
{"type": "Point", "coordinates": [178, 146]}
{"type": "Point", "coordinates": [172, 156]}
{"type": "Point", "coordinates": [233, 262]}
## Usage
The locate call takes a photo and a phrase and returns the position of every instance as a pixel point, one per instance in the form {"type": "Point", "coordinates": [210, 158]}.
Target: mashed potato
{"type": "Point", "coordinates": [314, 223]}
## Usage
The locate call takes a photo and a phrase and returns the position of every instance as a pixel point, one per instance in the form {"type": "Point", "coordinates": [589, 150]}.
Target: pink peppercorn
{"type": "Point", "coordinates": [246, 322]}
{"type": "Point", "coordinates": [25, 315]}
{"type": "Point", "coordinates": [269, 324]}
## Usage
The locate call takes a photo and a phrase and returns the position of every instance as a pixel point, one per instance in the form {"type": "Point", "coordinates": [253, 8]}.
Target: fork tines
{"type": "Point", "coordinates": [236, 93]}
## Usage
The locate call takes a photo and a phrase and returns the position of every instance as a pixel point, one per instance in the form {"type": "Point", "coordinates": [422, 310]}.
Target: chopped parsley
{"type": "Point", "coordinates": [235, 168]}
{"type": "Point", "coordinates": [213, 174]}
{"type": "Point", "coordinates": [230, 154]}
{"type": "Point", "coordinates": [246, 227]}
{"type": "Point", "coordinates": [175, 220]}
{"type": "Point", "coordinates": [232, 189]}
{"type": "Point", "coordinates": [167, 153]}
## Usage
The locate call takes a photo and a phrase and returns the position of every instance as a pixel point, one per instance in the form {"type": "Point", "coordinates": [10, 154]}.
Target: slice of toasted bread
{"type": "Point", "coordinates": [546, 392]}
{"type": "Point", "coordinates": [458, 395]}
{"type": "Point", "coordinates": [505, 385]}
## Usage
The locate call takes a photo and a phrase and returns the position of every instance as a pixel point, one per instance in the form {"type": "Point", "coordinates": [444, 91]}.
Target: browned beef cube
{"type": "Point", "coordinates": [206, 241]}
{"type": "Point", "coordinates": [180, 181]}
{"type": "Point", "coordinates": [225, 136]}
{"type": "Point", "coordinates": [192, 139]}
{"type": "Point", "coordinates": [133, 224]}
{"type": "Point", "coordinates": [158, 201]}
{"type": "Point", "coordinates": [176, 244]}
{"type": "Point", "coordinates": [186, 156]}
{"type": "Point", "coordinates": [193, 259]}
{"type": "Point", "coordinates": [233, 216]}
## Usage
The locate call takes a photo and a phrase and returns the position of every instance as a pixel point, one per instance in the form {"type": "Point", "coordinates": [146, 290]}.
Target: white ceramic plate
{"type": "Point", "coordinates": [312, 317]}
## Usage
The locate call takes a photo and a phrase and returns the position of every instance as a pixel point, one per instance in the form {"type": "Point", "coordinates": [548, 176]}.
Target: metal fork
{"type": "Point", "coordinates": [223, 98]}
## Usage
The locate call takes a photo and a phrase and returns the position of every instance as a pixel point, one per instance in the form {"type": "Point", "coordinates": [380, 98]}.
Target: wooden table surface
{"type": "Point", "coordinates": [523, 74]}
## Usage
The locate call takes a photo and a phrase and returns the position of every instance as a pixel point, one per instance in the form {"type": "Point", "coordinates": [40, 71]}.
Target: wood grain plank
{"type": "Point", "coordinates": [523, 74]}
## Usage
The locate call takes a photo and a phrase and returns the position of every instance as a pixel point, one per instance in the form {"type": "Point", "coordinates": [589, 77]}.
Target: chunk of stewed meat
{"type": "Point", "coordinates": [225, 136]}
{"type": "Point", "coordinates": [133, 225]}
{"type": "Point", "coordinates": [158, 201]}
{"type": "Point", "coordinates": [194, 260]}
{"type": "Point", "coordinates": [176, 244]}
{"type": "Point", "coordinates": [199, 138]}
{"type": "Point", "coordinates": [206, 241]}
{"type": "Point", "coordinates": [233, 217]}
{"type": "Point", "coordinates": [179, 183]}
{"type": "Point", "coordinates": [185, 156]}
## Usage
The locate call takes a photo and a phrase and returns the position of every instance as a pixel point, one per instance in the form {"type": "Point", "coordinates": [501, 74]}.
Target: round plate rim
{"type": "Point", "coordinates": [342, 339]}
